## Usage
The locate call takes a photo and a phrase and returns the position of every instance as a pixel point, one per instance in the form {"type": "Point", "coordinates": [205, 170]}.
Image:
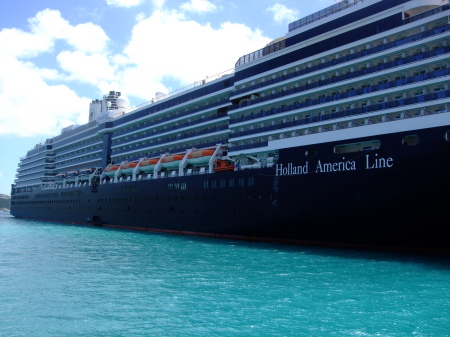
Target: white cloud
{"type": "Point", "coordinates": [282, 14]}
{"type": "Point", "coordinates": [38, 101]}
{"type": "Point", "coordinates": [140, 17]}
{"type": "Point", "coordinates": [158, 4]}
{"type": "Point", "coordinates": [198, 6]}
{"type": "Point", "coordinates": [180, 57]}
{"type": "Point", "coordinates": [124, 3]}
{"type": "Point", "coordinates": [87, 38]}
{"type": "Point", "coordinates": [89, 69]}
{"type": "Point", "coordinates": [47, 27]}
{"type": "Point", "coordinates": [31, 106]}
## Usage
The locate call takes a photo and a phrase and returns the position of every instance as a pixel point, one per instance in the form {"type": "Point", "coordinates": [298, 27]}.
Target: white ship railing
{"type": "Point", "coordinates": [208, 79]}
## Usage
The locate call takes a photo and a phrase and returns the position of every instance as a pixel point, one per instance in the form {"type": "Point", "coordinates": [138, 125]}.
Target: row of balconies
{"type": "Point", "coordinates": [350, 56]}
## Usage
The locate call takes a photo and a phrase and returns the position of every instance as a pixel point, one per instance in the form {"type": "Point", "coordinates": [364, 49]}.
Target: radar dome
{"type": "Point", "coordinates": [122, 102]}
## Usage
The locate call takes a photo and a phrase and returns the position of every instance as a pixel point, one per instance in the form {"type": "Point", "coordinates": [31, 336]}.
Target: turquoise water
{"type": "Point", "coordinates": [62, 280]}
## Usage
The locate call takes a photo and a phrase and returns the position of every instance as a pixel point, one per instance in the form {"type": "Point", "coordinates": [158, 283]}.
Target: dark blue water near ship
{"type": "Point", "coordinates": [62, 280]}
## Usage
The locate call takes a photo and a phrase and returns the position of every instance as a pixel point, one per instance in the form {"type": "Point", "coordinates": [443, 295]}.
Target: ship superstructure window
{"type": "Point", "coordinates": [231, 183]}
{"type": "Point", "coordinates": [241, 182]}
{"type": "Point", "coordinates": [357, 147]}
{"type": "Point", "coordinates": [309, 153]}
{"type": "Point", "coordinates": [440, 67]}
{"type": "Point", "coordinates": [410, 140]}
{"type": "Point", "coordinates": [447, 136]}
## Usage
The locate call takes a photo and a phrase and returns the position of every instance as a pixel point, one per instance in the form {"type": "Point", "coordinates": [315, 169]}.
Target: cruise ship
{"type": "Point", "coordinates": [337, 134]}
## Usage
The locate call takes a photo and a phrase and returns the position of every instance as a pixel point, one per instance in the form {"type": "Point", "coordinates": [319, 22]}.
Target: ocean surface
{"type": "Point", "coordinates": [65, 280]}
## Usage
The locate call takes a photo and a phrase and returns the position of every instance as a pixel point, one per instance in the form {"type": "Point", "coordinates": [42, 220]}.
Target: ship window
{"type": "Point", "coordinates": [410, 140]}
{"type": "Point", "coordinates": [310, 153]}
{"type": "Point", "coordinates": [205, 184]}
{"type": "Point", "coordinates": [356, 147]}
{"type": "Point", "coordinates": [447, 136]}
{"type": "Point", "coordinates": [241, 182]}
{"type": "Point", "coordinates": [251, 181]}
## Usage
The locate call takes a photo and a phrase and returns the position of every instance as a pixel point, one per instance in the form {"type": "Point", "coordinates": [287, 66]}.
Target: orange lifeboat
{"type": "Point", "coordinates": [127, 168]}
{"type": "Point", "coordinates": [223, 166]}
{"type": "Point", "coordinates": [110, 170]}
{"type": "Point", "coordinates": [85, 173]}
{"type": "Point", "coordinates": [71, 176]}
{"type": "Point", "coordinates": [148, 165]}
{"type": "Point", "coordinates": [200, 157]}
{"type": "Point", "coordinates": [172, 162]}
{"type": "Point", "coordinates": [60, 177]}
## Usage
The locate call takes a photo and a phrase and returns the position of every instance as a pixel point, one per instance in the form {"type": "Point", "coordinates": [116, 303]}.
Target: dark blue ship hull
{"type": "Point", "coordinates": [393, 197]}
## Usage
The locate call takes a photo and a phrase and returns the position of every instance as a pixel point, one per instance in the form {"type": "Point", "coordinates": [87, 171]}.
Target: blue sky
{"type": "Point", "coordinates": [56, 56]}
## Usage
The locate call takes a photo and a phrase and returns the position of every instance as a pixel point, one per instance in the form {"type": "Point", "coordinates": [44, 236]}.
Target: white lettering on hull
{"type": "Point", "coordinates": [377, 163]}
{"type": "Point", "coordinates": [371, 162]}
{"type": "Point", "coordinates": [335, 167]}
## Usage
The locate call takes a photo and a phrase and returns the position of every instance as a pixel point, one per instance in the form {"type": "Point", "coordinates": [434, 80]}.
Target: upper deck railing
{"type": "Point", "coordinates": [180, 90]}
{"type": "Point", "coordinates": [271, 48]}
{"type": "Point", "coordinates": [336, 8]}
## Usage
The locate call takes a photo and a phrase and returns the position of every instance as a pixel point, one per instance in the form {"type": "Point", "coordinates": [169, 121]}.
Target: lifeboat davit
{"type": "Point", "coordinates": [200, 157]}
{"type": "Point", "coordinates": [85, 173]}
{"type": "Point", "coordinates": [172, 162]}
{"type": "Point", "coordinates": [71, 176]}
{"type": "Point", "coordinates": [127, 168]}
{"type": "Point", "coordinates": [110, 170]}
{"type": "Point", "coordinates": [148, 165]}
